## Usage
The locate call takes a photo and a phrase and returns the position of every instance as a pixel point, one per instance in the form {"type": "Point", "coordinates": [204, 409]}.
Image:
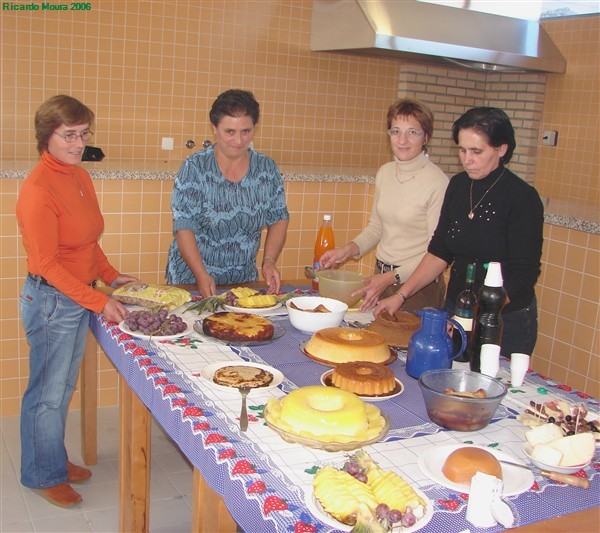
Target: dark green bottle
{"type": "Point", "coordinates": [465, 311]}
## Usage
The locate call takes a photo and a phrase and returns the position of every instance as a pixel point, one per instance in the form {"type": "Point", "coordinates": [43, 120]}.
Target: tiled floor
{"type": "Point", "coordinates": [170, 486]}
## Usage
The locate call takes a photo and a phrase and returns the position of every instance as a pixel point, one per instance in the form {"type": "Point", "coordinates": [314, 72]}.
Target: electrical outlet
{"type": "Point", "coordinates": [167, 143]}
{"type": "Point", "coordinates": [550, 138]}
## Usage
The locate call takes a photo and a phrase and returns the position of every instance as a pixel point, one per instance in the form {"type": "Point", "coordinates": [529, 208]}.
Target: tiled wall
{"type": "Point", "coordinates": [570, 171]}
{"type": "Point", "coordinates": [568, 346]}
{"type": "Point", "coordinates": [152, 68]}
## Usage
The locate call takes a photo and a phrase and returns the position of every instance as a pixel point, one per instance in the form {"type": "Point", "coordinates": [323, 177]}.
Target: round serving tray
{"type": "Point", "coordinates": [326, 446]}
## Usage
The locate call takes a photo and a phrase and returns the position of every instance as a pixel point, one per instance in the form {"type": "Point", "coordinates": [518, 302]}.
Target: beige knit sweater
{"type": "Point", "coordinates": [406, 209]}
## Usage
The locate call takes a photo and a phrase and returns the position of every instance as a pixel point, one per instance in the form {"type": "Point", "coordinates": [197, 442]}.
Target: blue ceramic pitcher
{"type": "Point", "coordinates": [430, 347]}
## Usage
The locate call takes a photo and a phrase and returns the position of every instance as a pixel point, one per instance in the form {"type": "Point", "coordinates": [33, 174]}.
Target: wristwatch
{"type": "Point", "coordinates": [397, 276]}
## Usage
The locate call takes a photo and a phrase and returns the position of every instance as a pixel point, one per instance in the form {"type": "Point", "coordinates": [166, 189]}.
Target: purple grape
{"type": "Point", "coordinates": [352, 468]}
{"type": "Point", "coordinates": [394, 516]}
{"type": "Point", "coordinates": [382, 510]}
{"type": "Point", "coordinates": [361, 476]}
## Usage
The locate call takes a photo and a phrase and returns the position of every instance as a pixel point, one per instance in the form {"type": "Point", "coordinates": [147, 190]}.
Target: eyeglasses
{"type": "Point", "coordinates": [72, 137]}
{"type": "Point", "coordinates": [411, 134]}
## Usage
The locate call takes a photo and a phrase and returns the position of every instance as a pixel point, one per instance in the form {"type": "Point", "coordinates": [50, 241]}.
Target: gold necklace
{"type": "Point", "coordinates": [402, 182]}
{"type": "Point", "coordinates": [471, 215]}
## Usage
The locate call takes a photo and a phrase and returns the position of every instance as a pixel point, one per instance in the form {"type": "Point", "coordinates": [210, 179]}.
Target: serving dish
{"type": "Point", "coordinates": [515, 480]}
{"type": "Point", "coordinates": [398, 389]}
{"type": "Point", "coordinates": [316, 508]}
{"type": "Point", "coordinates": [251, 310]}
{"type": "Point", "coordinates": [326, 446]}
{"type": "Point", "coordinates": [279, 331]}
{"type": "Point", "coordinates": [207, 373]}
{"type": "Point", "coordinates": [527, 450]}
{"type": "Point", "coordinates": [123, 327]}
{"type": "Point", "coordinates": [303, 318]}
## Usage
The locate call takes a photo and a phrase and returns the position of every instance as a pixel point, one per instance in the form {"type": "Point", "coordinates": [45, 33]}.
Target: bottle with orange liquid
{"type": "Point", "coordinates": [325, 241]}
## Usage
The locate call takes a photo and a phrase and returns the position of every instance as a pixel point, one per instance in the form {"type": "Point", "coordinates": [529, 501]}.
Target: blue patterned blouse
{"type": "Point", "coordinates": [227, 218]}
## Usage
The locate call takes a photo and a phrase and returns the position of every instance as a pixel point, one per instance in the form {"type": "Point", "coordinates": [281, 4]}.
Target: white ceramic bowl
{"type": "Point", "coordinates": [527, 449]}
{"type": "Point", "coordinates": [310, 322]}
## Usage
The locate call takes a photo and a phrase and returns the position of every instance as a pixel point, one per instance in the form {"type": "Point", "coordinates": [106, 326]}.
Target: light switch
{"type": "Point", "coordinates": [167, 143]}
{"type": "Point", "coordinates": [550, 138]}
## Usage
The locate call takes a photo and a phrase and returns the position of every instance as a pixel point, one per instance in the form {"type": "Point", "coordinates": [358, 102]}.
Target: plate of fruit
{"type": "Point", "coordinates": [240, 300]}
{"type": "Point", "coordinates": [155, 324]}
{"type": "Point", "coordinates": [362, 494]}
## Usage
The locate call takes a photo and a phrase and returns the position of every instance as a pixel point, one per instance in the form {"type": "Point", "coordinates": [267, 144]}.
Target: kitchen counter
{"type": "Point", "coordinates": [557, 213]}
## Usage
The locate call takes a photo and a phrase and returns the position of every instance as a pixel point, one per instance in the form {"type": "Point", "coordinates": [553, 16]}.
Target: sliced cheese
{"type": "Point", "coordinates": [576, 449]}
{"type": "Point", "coordinates": [545, 453]}
{"type": "Point", "coordinates": [543, 434]}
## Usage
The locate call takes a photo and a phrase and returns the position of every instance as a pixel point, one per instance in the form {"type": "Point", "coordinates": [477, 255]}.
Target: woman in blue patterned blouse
{"type": "Point", "coordinates": [222, 199]}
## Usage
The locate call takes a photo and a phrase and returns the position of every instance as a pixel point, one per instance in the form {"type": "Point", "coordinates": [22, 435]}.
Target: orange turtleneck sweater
{"type": "Point", "coordinates": [60, 221]}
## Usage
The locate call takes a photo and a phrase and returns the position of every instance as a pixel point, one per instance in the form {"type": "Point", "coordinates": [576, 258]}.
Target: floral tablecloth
{"type": "Point", "coordinates": [266, 482]}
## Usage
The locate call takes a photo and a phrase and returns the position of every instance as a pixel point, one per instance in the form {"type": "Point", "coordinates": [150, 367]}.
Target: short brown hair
{"type": "Point", "coordinates": [55, 112]}
{"type": "Point", "coordinates": [408, 107]}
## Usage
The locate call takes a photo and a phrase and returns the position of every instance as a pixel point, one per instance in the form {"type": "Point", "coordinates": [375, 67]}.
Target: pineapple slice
{"type": "Point", "coordinates": [256, 302]}
{"type": "Point", "coordinates": [393, 490]}
{"type": "Point", "coordinates": [243, 292]}
{"type": "Point", "coordinates": [341, 495]}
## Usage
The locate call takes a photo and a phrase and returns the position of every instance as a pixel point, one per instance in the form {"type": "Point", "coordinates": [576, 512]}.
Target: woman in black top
{"type": "Point", "coordinates": [488, 214]}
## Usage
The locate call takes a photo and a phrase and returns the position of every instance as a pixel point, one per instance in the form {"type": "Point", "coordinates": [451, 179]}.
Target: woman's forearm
{"type": "Point", "coordinates": [276, 234]}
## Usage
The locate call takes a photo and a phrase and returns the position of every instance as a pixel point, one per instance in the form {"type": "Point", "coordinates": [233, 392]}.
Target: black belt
{"type": "Point", "coordinates": [385, 267]}
{"type": "Point", "coordinates": [44, 281]}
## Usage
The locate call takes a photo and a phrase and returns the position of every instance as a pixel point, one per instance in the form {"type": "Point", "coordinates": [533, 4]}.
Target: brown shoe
{"type": "Point", "coordinates": [77, 474]}
{"type": "Point", "coordinates": [62, 495]}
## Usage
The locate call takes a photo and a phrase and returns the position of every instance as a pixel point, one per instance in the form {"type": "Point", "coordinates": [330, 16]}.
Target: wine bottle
{"type": "Point", "coordinates": [325, 241]}
{"type": "Point", "coordinates": [488, 322]}
{"type": "Point", "coordinates": [465, 310]}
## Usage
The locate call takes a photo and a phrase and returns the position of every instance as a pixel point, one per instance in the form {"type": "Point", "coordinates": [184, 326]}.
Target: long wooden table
{"type": "Point", "coordinates": [209, 512]}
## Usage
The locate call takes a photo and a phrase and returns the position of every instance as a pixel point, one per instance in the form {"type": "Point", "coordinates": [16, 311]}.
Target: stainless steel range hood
{"type": "Point", "coordinates": [420, 31]}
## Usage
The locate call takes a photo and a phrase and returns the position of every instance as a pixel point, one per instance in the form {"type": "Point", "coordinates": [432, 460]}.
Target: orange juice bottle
{"type": "Point", "coordinates": [325, 241]}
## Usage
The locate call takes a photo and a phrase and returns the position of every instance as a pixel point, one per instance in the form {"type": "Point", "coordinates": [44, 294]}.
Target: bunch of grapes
{"type": "Point", "coordinates": [155, 323]}
{"type": "Point", "coordinates": [387, 517]}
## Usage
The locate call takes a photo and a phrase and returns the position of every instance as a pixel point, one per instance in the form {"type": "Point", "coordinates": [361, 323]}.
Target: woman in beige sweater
{"type": "Point", "coordinates": [409, 192]}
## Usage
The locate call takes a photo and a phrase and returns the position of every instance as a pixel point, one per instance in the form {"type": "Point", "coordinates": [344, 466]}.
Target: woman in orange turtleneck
{"type": "Point", "coordinates": [60, 222]}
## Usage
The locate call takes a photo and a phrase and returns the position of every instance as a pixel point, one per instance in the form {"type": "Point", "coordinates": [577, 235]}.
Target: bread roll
{"type": "Point", "coordinates": [462, 464]}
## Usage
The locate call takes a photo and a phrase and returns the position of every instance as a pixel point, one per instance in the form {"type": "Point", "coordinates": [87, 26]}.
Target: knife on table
{"type": "Point", "coordinates": [554, 476]}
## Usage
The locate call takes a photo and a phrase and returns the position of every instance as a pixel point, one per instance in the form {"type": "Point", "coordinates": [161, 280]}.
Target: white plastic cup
{"type": "Point", "coordinates": [519, 364]}
{"type": "Point", "coordinates": [490, 359]}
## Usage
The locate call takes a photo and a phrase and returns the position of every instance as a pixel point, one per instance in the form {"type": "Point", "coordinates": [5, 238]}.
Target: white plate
{"type": "Point", "coordinates": [314, 506]}
{"type": "Point", "coordinates": [208, 372]}
{"type": "Point", "coordinates": [399, 389]}
{"type": "Point", "coordinates": [250, 310]}
{"type": "Point", "coordinates": [516, 480]}
{"type": "Point", "coordinates": [157, 338]}
{"type": "Point", "coordinates": [278, 332]}
{"type": "Point", "coordinates": [527, 449]}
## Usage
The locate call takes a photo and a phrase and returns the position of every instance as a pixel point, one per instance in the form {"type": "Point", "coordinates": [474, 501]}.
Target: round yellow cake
{"type": "Point", "coordinates": [364, 378]}
{"type": "Point", "coordinates": [342, 345]}
{"type": "Point", "coordinates": [325, 414]}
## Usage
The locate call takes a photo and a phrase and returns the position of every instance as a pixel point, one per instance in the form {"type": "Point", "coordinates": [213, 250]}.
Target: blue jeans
{"type": "Point", "coordinates": [56, 329]}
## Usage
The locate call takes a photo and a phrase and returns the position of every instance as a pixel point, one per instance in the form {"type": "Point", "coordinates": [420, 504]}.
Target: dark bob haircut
{"type": "Point", "coordinates": [55, 112]}
{"type": "Point", "coordinates": [234, 103]}
{"type": "Point", "coordinates": [493, 123]}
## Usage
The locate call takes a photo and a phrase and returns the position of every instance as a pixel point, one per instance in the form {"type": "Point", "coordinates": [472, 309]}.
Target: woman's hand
{"type": "Point", "coordinates": [272, 277]}
{"type": "Point", "coordinates": [391, 304]}
{"type": "Point", "coordinates": [337, 256]}
{"type": "Point", "coordinates": [374, 286]}
{"type": "Point", "coordinates": [206, 285]}
{"type": "Point", "coordinates": [114, 311]}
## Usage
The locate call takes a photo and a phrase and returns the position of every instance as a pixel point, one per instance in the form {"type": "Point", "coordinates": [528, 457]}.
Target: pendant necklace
{"type": "Point", "coordinates": [471, 215]}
